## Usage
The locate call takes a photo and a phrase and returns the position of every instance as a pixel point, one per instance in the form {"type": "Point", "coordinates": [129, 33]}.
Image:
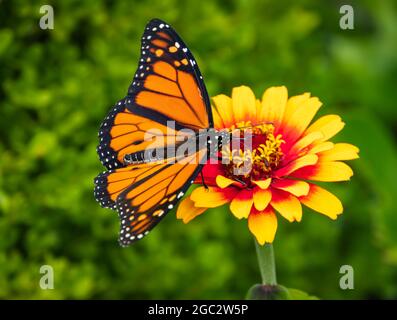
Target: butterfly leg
{"type": "Point", "coordinates": [241, 181]}
{"type": "Point", "coordinates": [202, 180]}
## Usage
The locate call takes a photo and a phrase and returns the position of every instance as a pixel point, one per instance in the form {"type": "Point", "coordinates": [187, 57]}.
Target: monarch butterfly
{"type": "Point", "coordinates": [167, 86]}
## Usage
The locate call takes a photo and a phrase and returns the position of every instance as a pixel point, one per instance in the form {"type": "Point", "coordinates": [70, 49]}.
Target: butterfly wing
{"type": "Point", "coordinates": [148, 200]}
{"type": "Point", "coordinates": [110, 184]}
{"type": "Point", "coordinates": [167, 87]}
{"type": "Point", "coordinates": [144, 193]}
{"type": "Point", "coordinates": [168, 83]}
{"type": "Point", "coordinates": [124, 132]}
{"type": "Point", "coordinates": [166, 94]}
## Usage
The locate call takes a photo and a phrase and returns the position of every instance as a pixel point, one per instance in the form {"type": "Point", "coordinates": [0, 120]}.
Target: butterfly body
{"type": "Point", "coordinates": [213, 139]}
{"type": "Point", "coordinates": [166, 110]}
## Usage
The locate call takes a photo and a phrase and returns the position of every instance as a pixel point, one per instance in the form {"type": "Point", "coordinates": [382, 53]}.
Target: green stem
{"type": "Point", "coordinates": [267, 264]}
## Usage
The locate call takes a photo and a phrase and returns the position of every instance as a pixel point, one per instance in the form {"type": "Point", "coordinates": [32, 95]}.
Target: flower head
{"type": "Point", "coordinates": [287, 157]}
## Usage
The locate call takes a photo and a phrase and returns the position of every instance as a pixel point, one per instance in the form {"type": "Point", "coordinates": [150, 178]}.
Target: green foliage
{"type": "Point", "coordinates": [57, 85]}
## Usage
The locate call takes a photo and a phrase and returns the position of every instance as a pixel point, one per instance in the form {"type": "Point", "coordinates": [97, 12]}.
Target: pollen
{"type": "Point", "coordinates": [257, 162]}
{"type": "Point", "coordinates": [268, 155]}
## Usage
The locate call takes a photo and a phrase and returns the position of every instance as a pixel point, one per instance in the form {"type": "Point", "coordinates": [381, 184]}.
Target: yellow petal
{"type": "Point", "coordinates": [210, 198]}
{"type": "Point", "coordinates": [296, 164]}
{"type": "Point", "coordinates": [258, 104]}
{"type": "Point", "coordinates": [274, 101]}
{"type": "Point", "coordinates": [297, 122]}
{"type": "Point", "coordinates": [305, 141]}
{"type": "Point", "coordinates": [187, 211]}
{"type": "Point", "coordinates": [326, 171]}
{"type": "Point", "coordinates": [340, 151]}
{"type": "Point", "coordinates": [328, 125]}
{"type": "Point", "coordinates": [322, 201]}
{"type": "Point", "coordinates": [242, 203]}
{"type": "Point", "coordinates": [262, 198]}
{"type": "Point", "coordinates": [296, 187]}
{"type": "Point", "coordinates": [223, 182]}
{"type": "Point", "coordinates": [287, 205]}
{"type": "Point", "coordinates": [294, 102]}
{"type": "Point", "coordinates": [322, 146]}
{"type": "Point", "coordinates": [244, 104]}
{"type": "Point", "coordinates": [263, 184]}
{"type": "Point", "coordinates": [263, 225]}
{"type": "Point", "coordinates": [224, 106]}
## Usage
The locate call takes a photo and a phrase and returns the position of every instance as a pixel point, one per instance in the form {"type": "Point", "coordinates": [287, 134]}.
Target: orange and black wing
{"type": "Point", "coordinates": [144, 193]}
{"type": "Point", "coordinates": [166, 94]}
{"type": "Point", "coordinates": [168, 84]}
{"type": "Point", "coordinates": [110, 184]}
{"type": "Point", "coordinates": [124, 132]}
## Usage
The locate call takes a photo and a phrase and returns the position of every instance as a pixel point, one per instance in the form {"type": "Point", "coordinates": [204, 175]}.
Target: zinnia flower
{"type": "Point", "coordinates": [288, 156]}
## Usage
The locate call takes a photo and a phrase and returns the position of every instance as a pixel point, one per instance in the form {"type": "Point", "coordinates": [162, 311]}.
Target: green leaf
{"type": "Point", "coordinates": [295, 294]}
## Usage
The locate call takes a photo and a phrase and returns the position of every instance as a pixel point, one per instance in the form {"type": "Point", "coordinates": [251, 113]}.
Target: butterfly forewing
{"type": "Point", "coordinates": [168, 83]}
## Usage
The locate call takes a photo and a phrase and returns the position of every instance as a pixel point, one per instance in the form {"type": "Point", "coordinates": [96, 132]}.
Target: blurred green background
{"type": "Point", "coordinates": [57, 85]}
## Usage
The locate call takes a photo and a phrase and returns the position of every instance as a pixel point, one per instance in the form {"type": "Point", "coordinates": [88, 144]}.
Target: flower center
{"type": "Point", "coordinates": [245, 164]}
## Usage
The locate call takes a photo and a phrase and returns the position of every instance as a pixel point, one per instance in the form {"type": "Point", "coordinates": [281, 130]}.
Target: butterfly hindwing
{"type": "Point", "coordinates": [149, 199]}
{"type": "Point", "coordinates": [110, 184]}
